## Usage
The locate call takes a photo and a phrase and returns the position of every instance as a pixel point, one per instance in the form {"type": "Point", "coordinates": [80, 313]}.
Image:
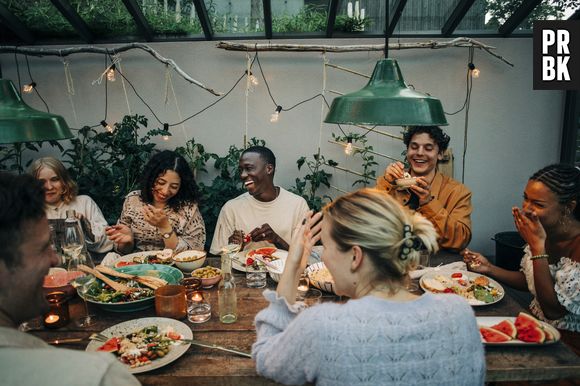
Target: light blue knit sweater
{"type": "Point", "coordinates": [433, 340]}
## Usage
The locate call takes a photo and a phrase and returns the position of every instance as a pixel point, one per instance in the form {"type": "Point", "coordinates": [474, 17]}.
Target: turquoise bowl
{"type": "Point", "coordinates": [170, 274]}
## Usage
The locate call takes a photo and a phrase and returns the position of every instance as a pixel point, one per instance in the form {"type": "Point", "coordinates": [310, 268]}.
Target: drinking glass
{"type": "Point", "coordinates": [82, 281]}
{"type": "Point", "coordinates": [256, 276]}
{"type": "Point", "coordinates": [303, 286]}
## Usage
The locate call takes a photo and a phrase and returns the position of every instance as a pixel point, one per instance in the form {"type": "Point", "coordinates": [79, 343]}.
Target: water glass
{"type": "Point", "coordinates": [424, 258]}
{"type": "Point", "coordinates": [256, 276]}
{"type": "Point", "coordinates": [198, 307]}
{"type": "Point", "coordinates": [170, 301]}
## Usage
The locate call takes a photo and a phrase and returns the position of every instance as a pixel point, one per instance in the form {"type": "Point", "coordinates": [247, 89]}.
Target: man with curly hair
{"type": "Point", "coordinates": [441, 199]}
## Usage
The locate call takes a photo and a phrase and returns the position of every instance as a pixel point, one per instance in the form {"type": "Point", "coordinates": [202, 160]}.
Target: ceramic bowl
{"type": "Point", "coordinates": [275, 269]}
{"type": "Point", "coordinates": [207, 282]}
{"type": "Point", "coordinates": [57, 280]}
{"type": "Point", "coordinates": [189, 260]}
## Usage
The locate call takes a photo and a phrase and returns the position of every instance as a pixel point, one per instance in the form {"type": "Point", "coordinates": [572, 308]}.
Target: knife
{"type": "Point", "coordinates": [65, 340]}
{"type": "Point", "coordinates": [215, 346]}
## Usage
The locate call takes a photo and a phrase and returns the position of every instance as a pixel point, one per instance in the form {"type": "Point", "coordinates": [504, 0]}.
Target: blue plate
{"type": "Point", "coordinates": [170, 274]}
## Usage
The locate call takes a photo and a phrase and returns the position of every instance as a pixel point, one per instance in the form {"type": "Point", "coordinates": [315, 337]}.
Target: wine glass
{"type": "Point", "coordinates": [82, 281]}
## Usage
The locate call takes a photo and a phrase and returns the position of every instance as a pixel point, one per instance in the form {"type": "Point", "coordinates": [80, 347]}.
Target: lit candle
{"type": "Point", "coordinates": [196, 297]}
{"type": "Point", "coordinates": [50, 319]}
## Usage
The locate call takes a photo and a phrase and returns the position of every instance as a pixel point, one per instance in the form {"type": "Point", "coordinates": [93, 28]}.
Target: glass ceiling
{"type": "Point", "coordinates": [42, 22]}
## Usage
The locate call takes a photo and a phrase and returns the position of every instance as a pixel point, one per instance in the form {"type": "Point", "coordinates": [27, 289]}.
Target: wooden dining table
{"type": "Point", "coordinates": [206, 366]}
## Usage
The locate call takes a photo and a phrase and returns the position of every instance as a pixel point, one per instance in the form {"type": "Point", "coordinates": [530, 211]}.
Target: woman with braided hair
{"type": "Point", "coordinates": [383, 334]}
{"type": "Point", "coordinates": [549, 221]}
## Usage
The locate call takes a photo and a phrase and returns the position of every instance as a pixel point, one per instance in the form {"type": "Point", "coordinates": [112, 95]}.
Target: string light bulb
{"type": "Point", "coordinates": [111, 73]}
{"type": "Point", "coordinates": [107, 127]}
{"type": "Point", "coordinates": [348, 147]}
{"type": "Point", "coordinates": [253, 79]}
{"type": "Point", "coordinates": [276, 114]}
{"type": "Point", "coordinates": [27, 88]}
{"type": "Point", "coordinates": [474, 70]}
{"type": "Point", "coordinates": [166, 128]}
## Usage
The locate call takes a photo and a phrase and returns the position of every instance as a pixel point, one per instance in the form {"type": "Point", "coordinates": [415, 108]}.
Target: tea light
{"type": "Point", "coordinates": [58, 314]}
{"type": "Point", "coordinates": [198, 307]}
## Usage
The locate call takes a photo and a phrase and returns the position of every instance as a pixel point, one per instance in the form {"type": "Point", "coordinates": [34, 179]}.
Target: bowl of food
{"type": "Point", "coordinates": [275, 269]}
{"type": "Point", "coordinates": [189, 260]}
{"type": "Point", "coordinates": [151, 257]}
{"type": "Point", "coordinates": [141, 297]}
{"type": "Point", "coordinates": [209, 276]}
{"type": "Point", "coordinates": [320, 277]}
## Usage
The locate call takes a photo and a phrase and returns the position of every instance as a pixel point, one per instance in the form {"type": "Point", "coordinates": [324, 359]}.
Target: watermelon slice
{"type": "Point", "coordinates": [524, 321]}
{"type": "Point", "coordinates": [532, 335]}
{"type": "Point", "coordinates": [111, 345]}
{"type": "Point", "coordinates": [493, 336]}
{"type": "Point", "coordinates": [507, 327]}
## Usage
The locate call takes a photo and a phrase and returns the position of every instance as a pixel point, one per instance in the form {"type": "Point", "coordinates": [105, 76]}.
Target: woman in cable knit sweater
{"type": "Point", "coordinates": [384, 334]}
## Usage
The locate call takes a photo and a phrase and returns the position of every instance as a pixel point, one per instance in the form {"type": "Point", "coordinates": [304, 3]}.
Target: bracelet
{"type": "Point", "coordinates": [536, 257]}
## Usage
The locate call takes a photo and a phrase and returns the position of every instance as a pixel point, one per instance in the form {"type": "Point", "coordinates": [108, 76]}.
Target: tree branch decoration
{"type": "Point", "coordinates": [457, 42]}
{"type": "Point", "coordinates": [62, 52]}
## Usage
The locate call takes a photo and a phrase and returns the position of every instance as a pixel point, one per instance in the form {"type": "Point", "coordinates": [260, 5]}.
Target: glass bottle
{"type": "Point", "coordinates": [56, 246]}
{"type": "Point", "coordinates": [227, 300]}
{"type": "Point", "coordinates": [73, 243]}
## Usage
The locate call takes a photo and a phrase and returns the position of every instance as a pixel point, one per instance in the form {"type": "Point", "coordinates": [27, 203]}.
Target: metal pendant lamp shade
{"type": "Point", "coordinates": [387, 101]}
{"type": "Point", "coordinates": [21, 123]}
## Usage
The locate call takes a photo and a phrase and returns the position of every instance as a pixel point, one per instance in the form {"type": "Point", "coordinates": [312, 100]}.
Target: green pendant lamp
{"type": "Point", "coordinates": [386, 100]}
{"type": "Point", "coordinates": [21, 123]}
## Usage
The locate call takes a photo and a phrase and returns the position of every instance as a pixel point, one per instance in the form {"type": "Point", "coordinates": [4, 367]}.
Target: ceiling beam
{"type": "Point", "coordinates": [74, 19]}
{"type": "Point", "coordinates": [332, 9]}
{"type": "Point", "coordinates": [15, 25]}
{"type": "Point", "coordinates": [517, 17]}
{"type": "Point", "coordinates": [203, 17]}
{"type": "Point", "coordinates": [456, 16]}
{"type": "Point", "coordinates": [142, 24]}
{"type": "Point", "coordinates": [267, 5]}
{"type": "Point", "coordinates": [395, 14]}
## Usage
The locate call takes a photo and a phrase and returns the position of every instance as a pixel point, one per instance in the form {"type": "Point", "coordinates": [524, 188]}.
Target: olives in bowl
{"type": "Point", "coordinates": [209, 276]}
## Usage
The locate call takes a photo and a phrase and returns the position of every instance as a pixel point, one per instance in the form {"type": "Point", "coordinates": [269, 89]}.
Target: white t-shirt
{"type": "Point", "coordinates": [284, 214]}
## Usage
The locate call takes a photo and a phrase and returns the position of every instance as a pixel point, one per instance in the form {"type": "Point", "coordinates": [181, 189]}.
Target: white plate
{"type": "Point", "coordinates": [131, 256]}
{"type": "Point", "coordinates": [239, 260]}
{"type": "Point", "coordinates": [470, 276]}
{"type": "Point", "coordinates": [488, 321]}
{"type": "Point", "coordinates": [138, 324]}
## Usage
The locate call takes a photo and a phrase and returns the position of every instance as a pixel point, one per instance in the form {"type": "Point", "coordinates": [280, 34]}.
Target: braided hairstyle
{"type": "Point", "coordinates": [564, 181]}
{"type": "Point", "coordinates": [390, 235]}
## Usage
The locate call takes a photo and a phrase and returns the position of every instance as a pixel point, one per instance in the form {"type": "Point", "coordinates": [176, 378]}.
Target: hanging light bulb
{"type": "Point", "coordinates": [253, 79]}
{"type": "Point", "coordinates": [276, 114]}
{"type": "Point", "coordinates": [474, 70]}
{"type": "Point", "coordinates": [166, 128]}
{"type": "Point", "coordinates": [27, 88]}
{"type": "Point", "coordinates": [107, 127]}
{"type": "Point", "coordinates": [348, 148]}
{"type": "Point", "coordinates": [111, 73]}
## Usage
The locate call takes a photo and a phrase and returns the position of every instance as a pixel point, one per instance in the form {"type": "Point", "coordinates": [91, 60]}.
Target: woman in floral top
{"type": "Point", "coordinates": [549, 222]}
{"type": "Point", "coordinates": [164, 213]}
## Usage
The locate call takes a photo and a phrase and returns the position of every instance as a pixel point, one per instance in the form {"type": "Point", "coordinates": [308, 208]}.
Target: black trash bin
{"type": "Point", "coordinates": [509, 250]}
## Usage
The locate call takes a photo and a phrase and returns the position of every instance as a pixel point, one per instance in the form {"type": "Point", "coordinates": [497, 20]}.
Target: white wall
{"type": "Point", "coordinates": [513, 130]}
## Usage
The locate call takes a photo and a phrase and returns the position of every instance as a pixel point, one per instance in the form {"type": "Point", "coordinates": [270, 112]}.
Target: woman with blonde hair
{"type": "Point", "coordinates": [61, 194]}
{"type": "Point", "coordinates": [383, 334]}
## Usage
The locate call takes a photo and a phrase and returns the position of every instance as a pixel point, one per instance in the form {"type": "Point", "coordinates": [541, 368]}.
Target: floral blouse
{"type": "Point", "coordinates": [186, 222]}
{"type": "Point", "coordinates": [566, 276]}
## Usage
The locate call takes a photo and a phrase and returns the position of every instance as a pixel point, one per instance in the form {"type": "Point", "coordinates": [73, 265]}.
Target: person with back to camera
{"type": "Point", "coordinates": [61, 194]}
{"type": "Point", "coordinates": [383, 334]}
{"type": "Point", "coordinates": [266, 215]}
{"type": "Point", "coordinates": [549, 222]}
{"type": "Point", "coordinates": [441, 199]}
{"type": "Point", "coordinates": [26, 255]}
{"type": "Point", "coordinates": [164, 213]}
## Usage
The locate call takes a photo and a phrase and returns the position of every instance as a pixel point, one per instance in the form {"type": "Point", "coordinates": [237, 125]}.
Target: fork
{"type": "Point", "coordinates": [99, 337]}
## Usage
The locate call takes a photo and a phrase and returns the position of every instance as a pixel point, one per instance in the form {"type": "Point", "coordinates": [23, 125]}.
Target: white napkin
{"type": "Point", "coordinates": [455, 266]}
{"type": "Point", "coordinates": [110, 259]}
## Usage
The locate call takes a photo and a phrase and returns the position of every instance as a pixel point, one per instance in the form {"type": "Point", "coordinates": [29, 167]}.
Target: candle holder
{"type": "Point", "coordinates": [58, 314]}
{"type": "Point", "coordinates": [198, 307]}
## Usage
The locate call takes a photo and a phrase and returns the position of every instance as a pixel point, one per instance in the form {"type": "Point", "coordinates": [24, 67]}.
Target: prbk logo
{"type": "Point", "coordinates": [557, 55]}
